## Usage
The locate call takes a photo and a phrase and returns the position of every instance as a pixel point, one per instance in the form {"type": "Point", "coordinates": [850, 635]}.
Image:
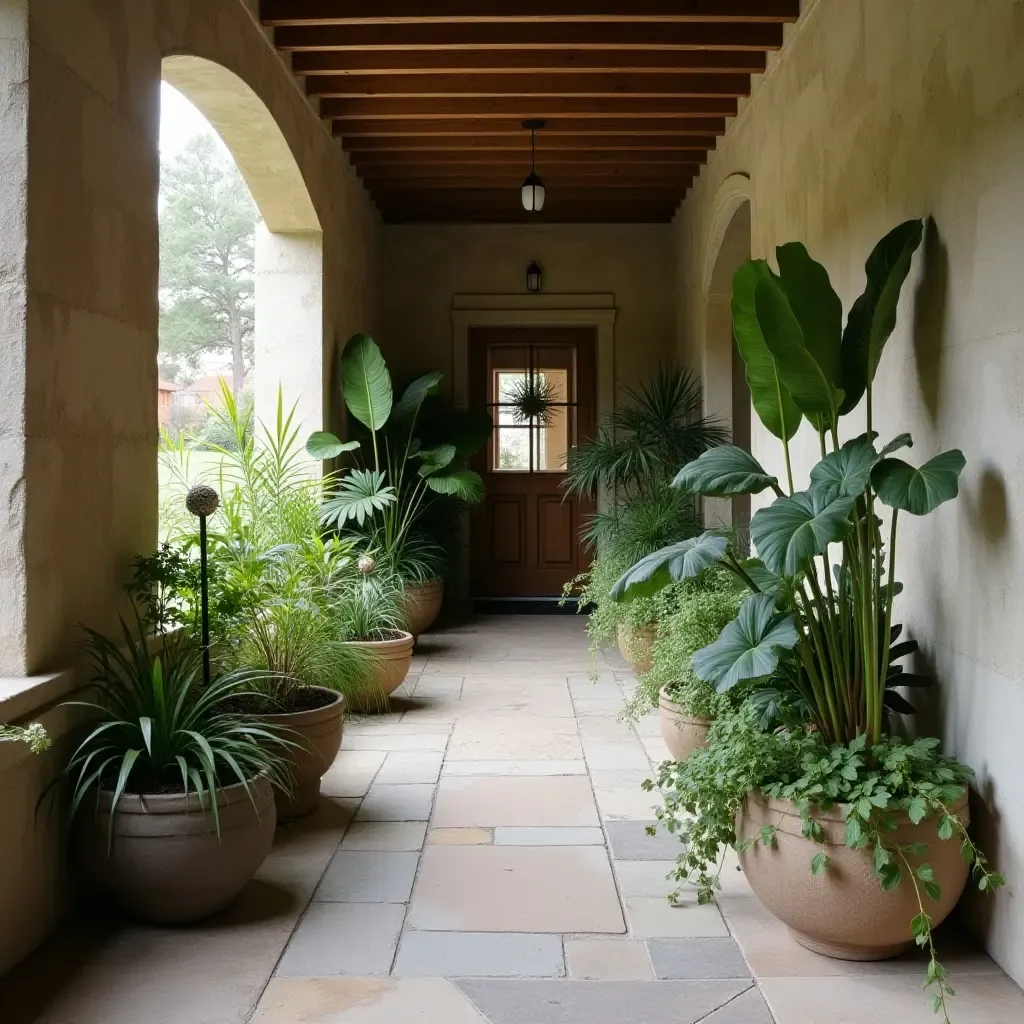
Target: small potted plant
{"type": "Point", "coordinates": [687, 705]}
{"type": "Point", "coordinates": [171, 789]}
{"type": "Point", "coordinates": [854, 836]}
{"type": "Point", "coordinates": [412, 457]}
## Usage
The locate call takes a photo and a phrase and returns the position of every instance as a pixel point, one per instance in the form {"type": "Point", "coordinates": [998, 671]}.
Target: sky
{"type": "Point", "coordinates": [179, 121]}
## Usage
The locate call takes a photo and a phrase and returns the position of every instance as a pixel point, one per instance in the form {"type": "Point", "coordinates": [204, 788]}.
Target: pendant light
{"type": "Point", "coordinates": [533, 187]}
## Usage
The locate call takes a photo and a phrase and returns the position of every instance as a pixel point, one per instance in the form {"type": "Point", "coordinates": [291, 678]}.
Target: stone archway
{"type": "Point", "coordinates": [289, 243]}
{"type": "Point", "coordinates": [726, 395]}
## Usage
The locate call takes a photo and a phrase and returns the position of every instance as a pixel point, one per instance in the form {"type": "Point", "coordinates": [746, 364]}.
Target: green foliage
{"type": "Point", "coordinates": [673, 564]}
{"type": "Point", "coordinates": [385, 499]}
{"type": "Point", "coordinates": [207, 235]}
{"type": "Point", "coordinates": [155, 728]}
{"type": "Point", "coordinates": [723, 472]}
{"type": "Point", "coordinates": [705, 605]}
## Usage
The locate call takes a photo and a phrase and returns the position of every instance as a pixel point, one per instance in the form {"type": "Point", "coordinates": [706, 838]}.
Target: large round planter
{"type": "Point", "coordinates": [319, 733]}
{"type": "Point", "coordinates": [421, 605]}
{"type": "Point", "coordinates": [167, 863]}
{"type": "Point", "coordinates": [844, 913]}
{"type": "Point", "coordinates": [392, 658]}
{"type": "Point", "coordinates": [635, 643]}
{"type": "Point", "coordinates": [682, 733]}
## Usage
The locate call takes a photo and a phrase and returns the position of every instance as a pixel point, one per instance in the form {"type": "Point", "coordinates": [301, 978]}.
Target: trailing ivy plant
{"type": "Point", "coordinates": [819, 616]}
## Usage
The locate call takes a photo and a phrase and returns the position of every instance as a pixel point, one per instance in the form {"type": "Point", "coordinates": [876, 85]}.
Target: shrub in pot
{"type": "Point", "coordinates": [171, 790]}
{"type": "Point", "coordinates": [818, 624]}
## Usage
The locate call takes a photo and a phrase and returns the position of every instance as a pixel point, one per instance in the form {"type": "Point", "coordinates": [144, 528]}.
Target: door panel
{"type": "Point", "coordinates": [525, 536]}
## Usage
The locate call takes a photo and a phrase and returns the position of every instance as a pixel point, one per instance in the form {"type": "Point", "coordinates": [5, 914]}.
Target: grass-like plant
{"type": "Point", "coordinates": [154, 728]}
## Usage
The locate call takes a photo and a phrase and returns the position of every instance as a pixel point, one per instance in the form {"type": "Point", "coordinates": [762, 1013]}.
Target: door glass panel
{"type": "Point", "coordinates": [512, 449]}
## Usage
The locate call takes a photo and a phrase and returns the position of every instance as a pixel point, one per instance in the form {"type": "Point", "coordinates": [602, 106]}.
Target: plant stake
{"type": "Point", "coordinates": [202, 500]}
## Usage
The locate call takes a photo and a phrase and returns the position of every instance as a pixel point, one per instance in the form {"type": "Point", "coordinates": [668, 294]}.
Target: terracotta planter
{"type": "Point", "coordinates": [392, 658]}
{"type": "Point", "coordinates": [682, 733]}
{"type": "Point", "coordinates": [844, 913]}
{"type": "Point", "coordinates": [635, 643]}
{"type": "Point", "coordinates": [421, 605]}
{"type": "Point", "coordinates": [320, 734]}
{"type": "Point", "coordinates": [167, 863]}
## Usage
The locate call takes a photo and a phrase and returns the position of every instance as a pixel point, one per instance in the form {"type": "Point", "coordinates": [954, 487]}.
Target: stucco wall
{"type": "Point", "coordinates": [424, 266]}
{"type": "Point", "coordinates": [875, 112]}
{"type": "Point", "coordinates": [78, 194]}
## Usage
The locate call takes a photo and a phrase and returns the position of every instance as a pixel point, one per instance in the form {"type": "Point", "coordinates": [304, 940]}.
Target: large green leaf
{"type": "Point", "coordinates": [324, 445]}
{"type": "Point", "coordinates": [436, 459]}
{"type": "Point", "coordinates": [811, 384]}
{"type": "Point", "coordinates": [679, 561]}
{"type": "Point", "coordinates": [748, 648]}
{"type": "Point", "coordinates": [872, 317]}
{"type": "Point", "coordinates": [365, 382]}
{"type": "Point", "coordinates": [919, 491]}
{"type": "Point", "coordinates": [408, 406]}
{"type": "Point", "coordinates": [360, 494]}
{"type": "Point", "coordinates": [772, 402]}
{"type": "Point", "coordinates": [846, 473]}
{"type": "Point", "coordinates": [764, 579]}
{"type": "Point", "coordinates": [790, 531]}
{"type": "Point", "coordinates": [814, 303]}
{"type": "Point", "coordinates": [722, 472]}
{"type": "Point", "coordinates": [898, 442]}
{"type": "Point", "coordinates": [468, 430]}
{"type": "Point", "coordinates": [463, 484]}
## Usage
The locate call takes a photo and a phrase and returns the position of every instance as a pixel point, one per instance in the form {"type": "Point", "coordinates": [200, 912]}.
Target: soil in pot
{"type": "Point", "coordinates": [845, 913]}
{"type": "Point", "coordinates": [317, 715]}
{"type": "Point", "coordinates": [635, 643]}
{"type": "Point", "coordinates": [167, 863]}
{"type": "Point", "coordinates": [682, 733]}
{"type": "Point", "coordinates": [392, 653]}
{"type": "Point", "coordinates": [421, 605]}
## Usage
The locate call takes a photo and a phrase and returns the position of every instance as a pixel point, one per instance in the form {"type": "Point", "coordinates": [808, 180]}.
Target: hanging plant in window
{"type": "Point", "coordinates": [533, 399]}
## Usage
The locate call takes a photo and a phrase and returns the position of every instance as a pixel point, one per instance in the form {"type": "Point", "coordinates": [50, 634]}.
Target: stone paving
{"type": "Point", "coordinates": [480, 855]}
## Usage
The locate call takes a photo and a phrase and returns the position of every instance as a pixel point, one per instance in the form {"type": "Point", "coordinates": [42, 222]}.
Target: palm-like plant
{"type": "Point", "coordinates": [636, 453]}
{"type": "Point", "coordinates": [159, 729]}
{"type": "Point", "coordinates": [383, 498]}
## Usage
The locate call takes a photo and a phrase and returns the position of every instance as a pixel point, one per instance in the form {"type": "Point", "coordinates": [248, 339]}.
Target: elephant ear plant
{"type": "Point", "coordinates": [384, 497]}
{"type": "Point", "coordinates": [817, 626]}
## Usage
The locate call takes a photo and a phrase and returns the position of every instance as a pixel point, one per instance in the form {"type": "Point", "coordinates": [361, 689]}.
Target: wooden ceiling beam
{"type": "Point", "coordinates": [547, 107]}
{"type": "Point", "coordinates": [441, 62]}
{"type": "Point", "coordinates": [519, 145]}
{"type": "Point", "coordinates": [532, 36]}
{"type": "Point", "coordinates": [369, 12]}
{"type": "Point", "coordinates": [584, 84]}
{"type": "Point", "coordinates": [654, 158]}
{"type": "Point", "coordinates": [556, 133]}
{"type": "Point", "coordinates": [671, 186]}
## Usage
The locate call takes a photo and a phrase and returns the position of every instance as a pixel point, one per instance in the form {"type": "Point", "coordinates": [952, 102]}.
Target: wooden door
{"type": "Point", "coordinates": [525, 535]}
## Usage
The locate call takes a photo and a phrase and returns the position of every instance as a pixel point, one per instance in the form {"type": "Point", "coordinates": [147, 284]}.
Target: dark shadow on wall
{"type": "Point", "coordinates": [929, 327]}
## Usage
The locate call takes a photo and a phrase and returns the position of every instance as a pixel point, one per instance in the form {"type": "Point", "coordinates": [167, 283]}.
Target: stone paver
{"type": "Point", "coordinates": [696, 958]}
{"type": "Point", "coordinates": [344, 938]}
{"type": "Point", "coordinates": [653, 917]}
{"type": "Point", "coordinates": [480, 955]}
{"type": "Point", "coordinates": [579, 836]}
{"type": "Point", "coordinates": [368, 877]}
{"type": "Point", "coordinates": [507, 768]}
{"type": "Point", "coordinates": [629, 841]}
{"type": "Point", "coordinates": [516, 889]}
{"type": "Point", "coordinates": [460, 836]}
{"type": "Point", "coordinates": [599, 1002]}
{"type": "Point", "coordinates": [396, 803]}
{"type": "Point", "coordinates": [608, 960]}
{"type": "Point", "coordinates": [528, 801]}
{"type": "Point", "coordinates": [402, 766]}
{"type": "Point", "coordinates": [385, 835]}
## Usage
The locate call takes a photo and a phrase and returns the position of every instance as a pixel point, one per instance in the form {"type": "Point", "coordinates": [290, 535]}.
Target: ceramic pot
{"type": "Point", "coordinates": [421, 605]}
{"type": "Point", "coordinates": [319, 732]}
{"type": "Point", "coordinates": [167, 863]}
{"type": "Point", "coordinates": [682, 733]}
{"type": "Point", "coordinates": [392, 658]}
{"type": "Point", "coordinates": [635, 643]}
{"type": "Point", "coordinates": [844, 913]}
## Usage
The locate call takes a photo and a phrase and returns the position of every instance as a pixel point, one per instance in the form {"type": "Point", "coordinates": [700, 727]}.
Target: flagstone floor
{"type": "Point", "coordinates": [480, 855]}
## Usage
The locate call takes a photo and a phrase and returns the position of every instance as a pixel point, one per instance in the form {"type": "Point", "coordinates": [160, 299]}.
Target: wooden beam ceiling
{"type": "Point", "coordinates": [428, 97]}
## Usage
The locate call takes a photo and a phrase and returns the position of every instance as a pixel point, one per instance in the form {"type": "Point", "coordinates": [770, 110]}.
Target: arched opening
{"type": "Point", "coordinates": [241, 254]}
{"type": "Point", "coordinates": [726, 394]}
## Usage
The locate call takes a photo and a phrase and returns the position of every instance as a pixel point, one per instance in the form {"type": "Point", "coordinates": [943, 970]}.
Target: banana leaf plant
{"type": "Point", "coordinates": [821, 628]}
{"type": "Point", "coordinates": [384, 495]}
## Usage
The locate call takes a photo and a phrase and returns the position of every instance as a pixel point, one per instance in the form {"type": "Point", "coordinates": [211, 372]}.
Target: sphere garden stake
{"type": "Point", "coordinates": [202, 501]}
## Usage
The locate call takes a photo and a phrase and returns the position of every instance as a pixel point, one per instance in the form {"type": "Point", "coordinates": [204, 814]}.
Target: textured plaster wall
{"type": "Point", "coordinates": [424, 266]}
{"type": "Point", "coordinates": [874, 112]}
{"type": "Point", "coordinates": [79, 119]}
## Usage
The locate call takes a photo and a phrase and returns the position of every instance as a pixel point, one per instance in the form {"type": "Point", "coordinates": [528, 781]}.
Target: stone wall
{"type": "Point", "coordinates": [874, 112]}
{"type": "Point", "coordinates": [79, 120]}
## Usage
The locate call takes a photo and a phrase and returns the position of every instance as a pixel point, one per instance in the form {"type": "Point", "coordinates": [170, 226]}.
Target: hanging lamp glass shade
{"type": "Point", "coordinates": [533, 277]}
{"type": "Point", "coordinates": [533, 194]}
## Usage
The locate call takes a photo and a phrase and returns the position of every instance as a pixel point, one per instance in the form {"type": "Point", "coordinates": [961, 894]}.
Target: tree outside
{"type": "Point", "coordinates": [207, 240]}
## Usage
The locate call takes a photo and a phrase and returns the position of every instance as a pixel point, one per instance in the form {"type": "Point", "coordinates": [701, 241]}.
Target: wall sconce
{"type": "Point", "coordinates": [533, 277]}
